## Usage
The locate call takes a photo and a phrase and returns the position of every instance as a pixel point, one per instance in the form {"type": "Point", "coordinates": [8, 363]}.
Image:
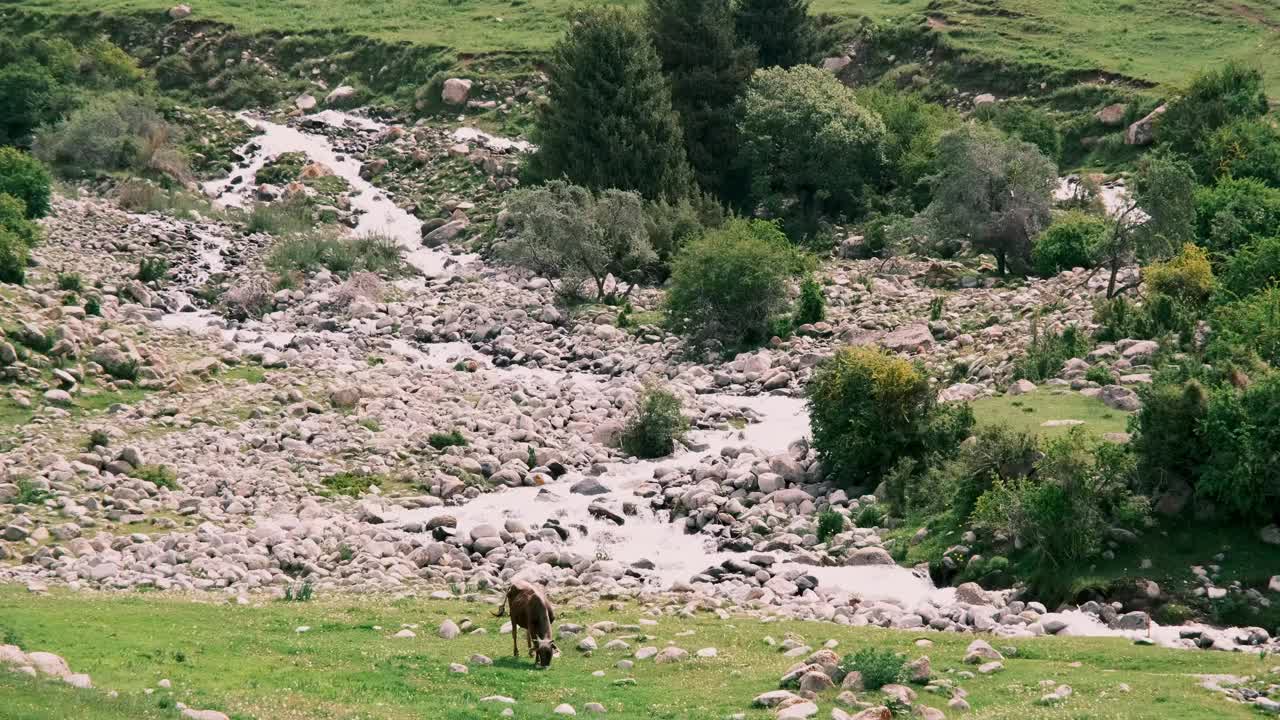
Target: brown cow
{"type": "Point", "coordinates": [531, 610]}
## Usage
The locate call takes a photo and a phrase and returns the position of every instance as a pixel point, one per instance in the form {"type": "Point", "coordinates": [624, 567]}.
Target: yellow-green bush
{"type": "Point", "coordinates": [1188, 276]}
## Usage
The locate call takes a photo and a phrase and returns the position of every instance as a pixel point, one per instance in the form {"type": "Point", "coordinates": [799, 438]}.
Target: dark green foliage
{"type": "Point", "coordinates": [1247, 329]}
{"type": "Point", "coordinates": [1070, 242]}
{"type": "Point", "coordinates": [887, 236]}
{"type": "Point", "coordinates": [1099, 374]}
{"type": "Point", "coordinates": [992, 191]}
{"type": "Point", "coordinates": [242, 85]}
{"type": "Point", "coordinates": [442, 440]}
{"type": "Point", "coordinates": [830, 524]}
{"type": "Point", "coordinates": [125, 369]}
{"type": "Point", "coordinates": [936, 307]}
{"type": "Point", "coordinates": [1235, 211]}
{"type": "Point", "coordinates": [1157, 316]}
{"type": "Point", "coordinates": [28, 96]}
{"type": "Point", "coordinates": [98, 438]}
{"type": "Point", "coordinates": [610, 122]}
{"type": "Point", "coordinates": [729, 283]}
{"type": "Point", "coordinates": [1242, 431]}
{"type": "Point", "coordinates": [152, 269]}
{"type": "Point", "coordinates": [29, 493]}
{"type": "Point", "coordinates": [93, 306]}
{"type": "Point", "coordinates": [782, 31]}
{"type": "Point", "coordinates": [996, 453]}
{"type": "Point", "coordinates": [13, 258]}
{"type": "Point", "coordinates": [1245, 148]}
{"type": "Point", "coordinates": [279, 218]}
{"type": "Point", "coordinates": [878, 666]}
{"type": "Point", "coordinates": [1048, 351]}
{"type": "Point", "coordinates": [871, 516]}
{"type": "Point", "coordinates": [870, 410]}
{"type": "Point", "coordinates": [808, 145]}
{"type": "Point", "coordinates": [281, 170]}
{"type": "Point", "coordinates": [25, 178]}
{"type": "Point", "coordinates": [1215, 98]}
{"type": "Point", "coordinates": [71, 282]}
{"type": "Point", "coordinates": [812, 306]}
{"type": "Point", "coordinates": [656, 425]}
{"type": "Point", "coordinates": [161, 476]}
{"type": "Point", "coordinates": [1164, 189]}
{"type": "Point", "coordinates": [1026, 123]}
{"type": "Point", "coordinates": [913, 127]}
{"type": "Point", "coordinates": [1167, 433]}
{"type": "Point", "coordinates": [707, 67]}
{"type": "Point", "coordinates": [1062, 511]}
{"type": "Point", "coordinates": [338, 254]}
{"type": "Point", "coordinates": [352, 484]}
{"type": "Point", "coordinates": [671, 224]}
{"type": "Point", "coordinates": [1253, 267]}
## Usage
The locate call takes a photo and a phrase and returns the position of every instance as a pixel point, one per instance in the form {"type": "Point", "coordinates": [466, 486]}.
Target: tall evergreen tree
{"type": "Point", "coordinates": [610, 123]}
{"type": "Point", "coordinates": [782, 31]}
{"type": "Point", "coordinates": [708, 67]}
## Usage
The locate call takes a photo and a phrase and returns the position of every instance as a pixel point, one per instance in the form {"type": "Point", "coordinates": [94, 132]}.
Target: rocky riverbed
{"type": "Point", "coordinates": [245, 456]}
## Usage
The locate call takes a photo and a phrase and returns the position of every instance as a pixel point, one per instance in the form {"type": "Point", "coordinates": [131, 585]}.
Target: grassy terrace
{"type": "Point", "coordinates": [1163, 42]}
{"type": "Point", "coordinates": [250, 662]}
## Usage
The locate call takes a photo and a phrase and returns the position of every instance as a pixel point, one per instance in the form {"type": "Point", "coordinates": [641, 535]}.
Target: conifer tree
{"type": "Point", "coordinates": [609, 123]}
{"type": "Point", "coordinates": [782, 31]}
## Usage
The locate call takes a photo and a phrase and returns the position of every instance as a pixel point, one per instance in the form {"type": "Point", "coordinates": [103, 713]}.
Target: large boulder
{"type": "Point", "coordinates": [177, 12]}
{"type": "Point", "coordinates": [1143, 132]}
{"type": "Point", "coordinates": [340, 95]}
{"type": "Point", "coordinates": [1111, 115]}
{"type": "Point", "coordinates": [1120, 398]}
{"type": "Point", "coordinates": [870, 556]}
{"type": "Point", "coordinates": [909, 338]}
{"type": "Point", "coordinates": [455, 91]}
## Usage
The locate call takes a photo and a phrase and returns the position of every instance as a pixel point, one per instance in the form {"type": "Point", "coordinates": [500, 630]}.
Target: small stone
{"type": "Point", "coordinates": [565, 709]}
{"type": "Point", "coordinates": [449, 630]}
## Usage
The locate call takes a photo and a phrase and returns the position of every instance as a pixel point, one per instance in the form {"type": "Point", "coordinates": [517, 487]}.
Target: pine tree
{"type": "Point", "coordinates": [782, 31]}
{"type": "Point", "coordinates": [610, 123]}
{"type": "Point", "coordinates": [708, 67]}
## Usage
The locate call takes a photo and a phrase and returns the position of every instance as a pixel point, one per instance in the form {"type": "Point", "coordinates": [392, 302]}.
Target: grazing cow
{"type": "Point", "coordinates": [531, 610]}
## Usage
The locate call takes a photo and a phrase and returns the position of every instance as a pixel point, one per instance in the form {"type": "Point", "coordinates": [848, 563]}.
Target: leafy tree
{"type": "Point", "coordinates": [805, 139]}
{"type": "Point", "coordinates": [782, 31]}
{"type": "Point", "coordinates": [813, 303]}
{"type": "Point", "coordinates": [1186, 277]}
{"type": "Point", "coordinates": [1252, 268]}
{"type": "Point", "coordinates": [567, 231]}
{"type": "Point", "coordinates": [13, 217]}
{"type": "Point", "coordinates": [1214, 99]}
{"type": "Point", "coordinates": [870, 410]}
{"type": "Point", "coordinates": [671, 224]}
{"type": "Point", "coordinates": [26, 179]}
{"type": "Point", "coordinates": [1159, 217]}
{"type": "Point", "coordinates": [1242, 431]}
{"type": "Point", "coordinates": [610, 122]}
{"type": "Point", "coordinates": [914, 127]}
{"type": "Point", "coordinates": [1025, 123]}
{"type": "Point", "coordinates": [993, 190]}
{"type": "Point", "coordinates": [730, 283]}
{"type": "Point", "coordinates": [26, 100]}
{"type": "Point", "coordinates": [1070, 242]}
{"type": "Point", "coordinates": [656, 425]}
{"type": "Point", "coordinates": [708, 67]}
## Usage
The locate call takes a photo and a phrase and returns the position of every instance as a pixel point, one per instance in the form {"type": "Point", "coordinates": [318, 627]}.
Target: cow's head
{"type": "Point", "coordinates": [545, 650]}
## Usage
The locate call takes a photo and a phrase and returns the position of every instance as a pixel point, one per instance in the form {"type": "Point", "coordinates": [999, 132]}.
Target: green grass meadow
{"type": "Point", "coordinates": [250, 662]}
{"type": "Point", "coordinates": [1029, 412]}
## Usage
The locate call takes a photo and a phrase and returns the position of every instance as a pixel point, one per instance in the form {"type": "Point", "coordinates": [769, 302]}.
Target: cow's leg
{"type": "Point", "coordinates": [515, 644]}
{"type": "Point", "coordinates": [528, 636]}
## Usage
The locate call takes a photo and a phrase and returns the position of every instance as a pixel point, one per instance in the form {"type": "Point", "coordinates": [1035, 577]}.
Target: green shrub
{"type": "Point", "coordinates": [936, 307]}
{"type": "Point", "coordinates": [1187, 277]}
{"type": "Point", "coordinates": [98, 438]}
{"type": "Point", "coordinates": [1254, 267]}
{"type": "Point", "coordinates": [159, 475]}
{"type": "Point", "coordinates": [442, 440]}
{"type": "Point", "coordinates": [13, 258]}
{"type": "Point", "coordinates": [341, 255]}
{"type": "Point", "coordinates": [1026, 123]}
{"type": "Point", "coordinates": [1234, 211]}
{"type": "Point", "coordinates": [731, 282]}
{"type": "Point", "coordinates": [914, 126]}
{"type": "Point", "coordinates": [996, 453]}
{"type": "Point", "coordinates": [1167, 433]}
{"type": "Point", "coordinates": [352, 484]}
{"type": "Point", "coordinates": [671, 224]}
{"type": "Point", "coordinates": [830, 524]}
{"type": "Point", "coordinates": [126, 369]}
{"type": "Point", "coordinates": [1048, 351]}
{"type": "Point", "coordinates": [1243, 149]}
{"type": "Point", "coordinates": [869, 410]}
{"type": "Point", "coordinates": [25, 178]}
{"type": "Point", "coordinates": [29, 96]}
{"type": "Point", "coordinates": [871, 516]}
{"type": "Point", "coordinates": [114, 132]}
{"type": "Point", "coordinates": [812, 307]}
{"type": "Point", "coordinates": [243, 85]}
{"type": "Point", "coordinates": [656, 425]}
{"type": "Point", "coordinates": [29, 493]}
{"type": "Point", "coordinates": [1061, 513]}
{"type": "Point", "coordinates": [13, 217]}
{"type": "Point", "coordinates": [1099, 374]}
{"type": "Point", "coordinates": [93, 306]}
{"type": "Point", "coordinates": [1230, 93]}
{"type": "Point", "coordinates": [1070, 242]}
{"type": "Point", "coordinates": [878, 666]}
{"type": "Point", "coordinates": [1174, 614]}
{"type": "Point", "coordinates": [282, 169]}
{"type": "Point", "coordinates": [70, 282]}
{"type": "Point", "coordinates": [1248, 328]}
{"type": "Point", "coordinates": [152, 269]}
{"type": "Point", "coordinates": [300, 593]}
{"type": "Point", "coordinates": [1242, 432]}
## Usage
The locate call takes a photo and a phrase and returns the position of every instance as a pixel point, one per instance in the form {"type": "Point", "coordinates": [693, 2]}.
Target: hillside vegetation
{"type": "Point", "coordinates": [1164, 42]}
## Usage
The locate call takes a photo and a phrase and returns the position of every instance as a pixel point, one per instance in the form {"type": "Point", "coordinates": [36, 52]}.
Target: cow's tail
{"type": "Point", "coordinates": [502, 608]}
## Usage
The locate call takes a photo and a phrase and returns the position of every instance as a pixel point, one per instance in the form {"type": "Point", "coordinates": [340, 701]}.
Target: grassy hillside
{"type": "Point", "coordinates": [251, 662]}
{"type": "Point", "coordinates": [1162, 42]}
